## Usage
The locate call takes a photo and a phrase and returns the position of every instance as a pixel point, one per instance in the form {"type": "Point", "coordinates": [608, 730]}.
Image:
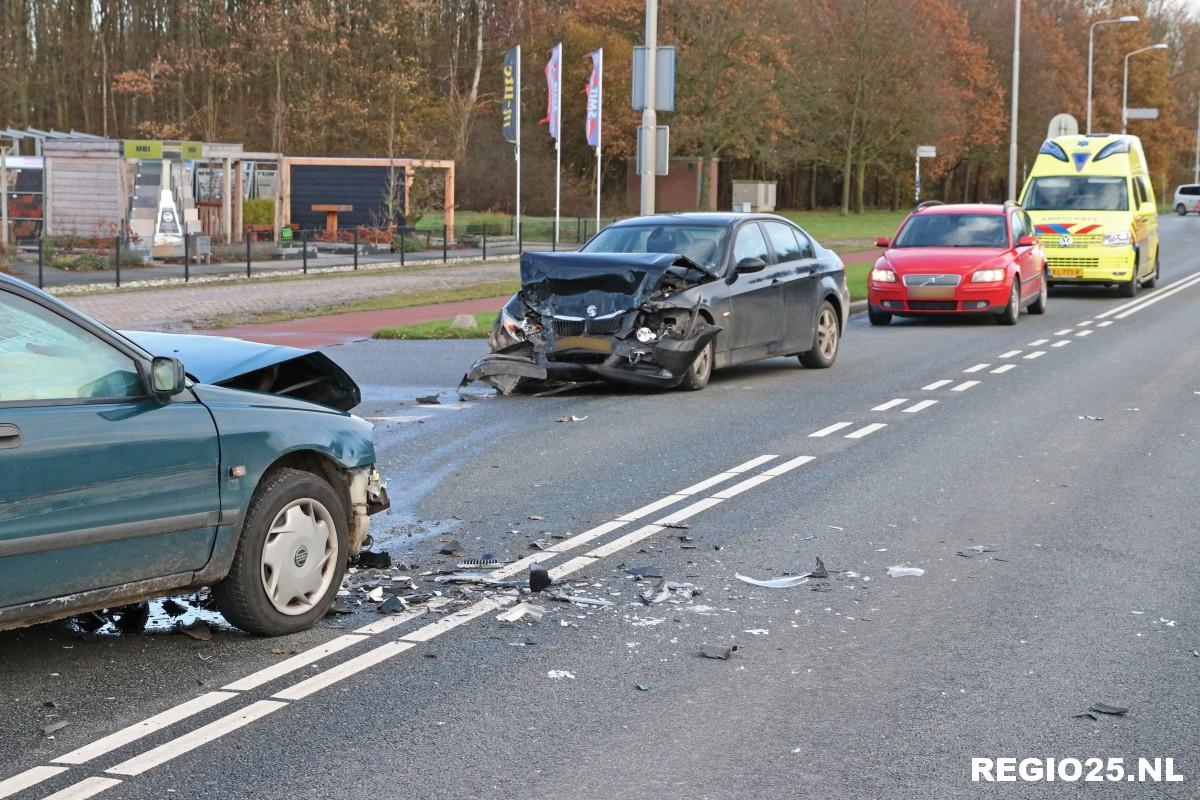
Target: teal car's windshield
{"type": "Point", "coordinates": [953, 230]}
{"type": "Point", "coordinates": [703, 244]}
{"type": "Point", "coordinates": [1077, 193]}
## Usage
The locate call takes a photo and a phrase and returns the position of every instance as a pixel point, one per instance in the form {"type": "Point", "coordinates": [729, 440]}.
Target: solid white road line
{"type": "Point", "coordinates": [742, 486]}
{"type": "Point", "coordinates": [30, 777]}
{"type": "Point", "coordinates": [936, 385]}
{"type": "Point", "coordinates": [834, 428]}
{"type": "Point", "coordinates": [1187, 280]}
{"type": "Point", "coordinates": [866, 430]}
{"type": "Point", "coordinates": [144, 728]}
{"type": "Point", "coordinates": [1104, 324]}
{"type": "Point", "coordinates": [254, 680]}
{"type": "Point", "coordinates": [1003, 368]}
{"type": "Point", "coordinates": [1159, 296]}
{"type": "Point", "coordinates": [919, 406]}
{"type": "Point", "coordinates": [616, 545]}
{"type": "Point", "coordinates": [1035, 354]}
{"type": "Point", "coordinates": [190, 741]}
{"type": "Point", "coordinates": [890, 404]}
{"type": "Point", "coordinates": [650, 508]}
{"type": "Point", "coordinates": [977, 368]}
{"type": "Point", "coordinates": [380, 626]}
{"type": "Point", "coordinates": [962, 387]}
{"type": "Point", "coordinates": [88, 787]}
{"type": "Point", "coordinates": [1038, 342]}
{"type": "Point", "coordinates": [576, 563]}
{"type": "Point", "coordinates": [749, 465]}
{"type": "Point", "coordinates": [452, 621]}
{"type": "Point", "coordinates": [1087, 332]}
{"type": "Point", "coordinates": [322, 680]}
{"type": "Point", "coordinates": [788, 466]}
{"type": "Point", "coordinates": [1063, 332]}
{"type": "Point", "coordinates": [689, 511]}
{"type": "Point", "coordinates": [1010, 354]}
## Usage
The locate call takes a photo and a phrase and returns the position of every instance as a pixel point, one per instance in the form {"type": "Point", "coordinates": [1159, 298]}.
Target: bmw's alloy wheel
{"type": "Point", "coordinates": [299, 557]}
{"type": "Point", "coordinates": [703, 363]}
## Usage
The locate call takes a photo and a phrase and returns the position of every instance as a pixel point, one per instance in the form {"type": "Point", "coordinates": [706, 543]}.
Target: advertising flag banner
{"type": "Point", "coordinates": [508, 101]}
{"type": "Point", "coordinates": [593, 99]}
{"type": "Point", "coordinates": [554, 93]}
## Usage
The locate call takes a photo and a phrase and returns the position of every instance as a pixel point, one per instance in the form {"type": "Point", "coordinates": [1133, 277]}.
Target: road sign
{"type": "Point", "coordinates": [926, 151]}
{"type": "Point", "coordinates": [662, 150]}
{"type": "Point", "coordinates": [1141, 113]}
{"type": "Point", "coordinates": [664, 79]}
{"type": "Point", "coordinates": [1062, 125]}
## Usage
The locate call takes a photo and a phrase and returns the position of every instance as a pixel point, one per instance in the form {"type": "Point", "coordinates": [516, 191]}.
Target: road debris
{"type": "Point", "coordinates": [559, 674]}
{"type": "Point", "coordinates": [173, 608]}
{"type": "Point", "coordinates": [54, 727]}
{"type": "Point", "coordinates": [579, 599]}
{"type": "Point", "coordinates": [975, 550]}
{"type": "Point", "coordinates": [486, 561]}
{"type": "Point", "coordinates": [430, 400]}
{"type": "Point", "coordinates": [1101, 708]}
{"type": "Point", "coordinates": [539, 578]}
{"type": "Point", "coordinates": [1091, 418]}
{"type": "Point", "coordinates": [196, 629]}
{"type": "Point", "coordinates": [905, 572]}
{"type": "Point", "coordinates": [393, 605]}
{"type": "Point", "coordinates": [369, 559]}
{"type": "Point", "coordinates": [644, 572]}
{"type": "Point", "coordinates": [786, 582]}
{"type": "Point", "coordinates": [643, 687]}
{"type": "Point", "coordinates": [665, 589]}
{"type": "Point", "coordinates": [571, 418]}
{"type": "Point", "coordinates": [758, 631]}
{"type": "Point", "coordinates": [718, 651]}
{"type": "Point", "coordinates": [683, 526]}
{"type": "Point", "coordinates": [451, 548]}
{"type": "Point", "coordinates": [535, 517]}
{"type": "Point", "coordinates": [522, 610]}
{"type": "Point", "coordinates": [376, 595]}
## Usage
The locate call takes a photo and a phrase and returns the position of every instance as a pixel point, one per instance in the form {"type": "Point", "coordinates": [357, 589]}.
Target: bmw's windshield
{"type": "Point", "coordinates": [953, 230]}
{"type": "Point", "coordinates": [703, 244]}
{"type": "Point", "coordinates": [1077, 193]}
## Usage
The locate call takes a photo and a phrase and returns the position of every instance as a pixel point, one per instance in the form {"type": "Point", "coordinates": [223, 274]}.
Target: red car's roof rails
{"type": "Point", "coordinates": [928, 204]}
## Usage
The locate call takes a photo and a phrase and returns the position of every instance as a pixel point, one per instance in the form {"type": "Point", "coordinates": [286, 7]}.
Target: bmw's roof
{"type": "Point", "coordinates": [696, 218]}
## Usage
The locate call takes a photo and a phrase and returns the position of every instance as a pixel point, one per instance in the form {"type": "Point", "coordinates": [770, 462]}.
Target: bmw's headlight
{"type": "Point", "coordinates": [883, 275]}
{"type": "Point", "coordinates": [987, 276]}
{"type": "Point", "coordinates": [1118, 239]}
{"type": "Point", "coordinates": [512, 327]}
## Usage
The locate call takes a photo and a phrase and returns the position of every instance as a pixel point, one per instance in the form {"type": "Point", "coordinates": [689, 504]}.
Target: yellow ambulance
{"type": "Point", "coordinates": [1092, 206]}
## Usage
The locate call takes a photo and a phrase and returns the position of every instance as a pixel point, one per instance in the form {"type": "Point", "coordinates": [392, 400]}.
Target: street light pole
{"type": "Point", "coordinates": [1016, 85]}
{"type": "Point", "coordinates": [649, 119]}
{"type": "Point", "coordinates": [1196, 171]}
{"type": "Point", "coordinates": [1091, 44]}
{"type": "Point", "coordinates": [1125, 82]}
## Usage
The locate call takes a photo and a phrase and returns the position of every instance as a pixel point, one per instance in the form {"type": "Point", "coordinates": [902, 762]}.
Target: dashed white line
{"type": "Point", "coordinates": [1063, 332]}
{"type": "Point", "coordinates": [1010, 354]}
{"type": "Point", "coordinates": [1088, 332]}
{"type": "Point", "coordinates": [747, 466]}
{"type": "Point", "coordinates": [1003, 368]}
{"type": "Point", "coordinates": [977, 368]}
{"type": "Point", "coordinates": [341, 671]}
{"type": "Point", "coordinates": [254, 680]}
{"type": "Point", "coordinates": [890, 404]}
{"type": "Point", "coordinates": [936, 385]}
{"type": "Point", "coordinates": [1084, 323]}
{"type": "Point", "coordinates": [834, 428]}
{"type": "Point", "coordinates": [919, 406]}
{"type": "Point", "coordinates": [1104, 324]}
{"type": "Point", "coordinates": [190, 741]}
{"type": "Point", "coordinates": [30, 777]}
{"type": "Point", "coordinates": [866, 430]}
{"type": "Point", "coordinates": [962, 387]}
{"type": "Point", "coordinates": [1038, 342]}
{"type": "Point", "coordinates": [1064, 342]}
{"type": "Point", "coordinates": [88, 787]}
{"type": "Point", "coordinates": [1035, 354]}
{"type": "Point", "coordinates": [144, 728]}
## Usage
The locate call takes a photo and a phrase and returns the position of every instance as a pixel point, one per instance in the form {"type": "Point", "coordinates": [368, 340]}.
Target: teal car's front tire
{"type": "Point", "coordinates": [290, 558]}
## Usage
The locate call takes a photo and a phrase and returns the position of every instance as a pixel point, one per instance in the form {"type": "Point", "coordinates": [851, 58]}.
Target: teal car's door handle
{"type": "Point", "coordinates": [10, 436]}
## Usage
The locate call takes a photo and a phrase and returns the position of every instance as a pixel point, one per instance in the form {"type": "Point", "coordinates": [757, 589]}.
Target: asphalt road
{"type": "Point", "coordinates": [1082, 586]}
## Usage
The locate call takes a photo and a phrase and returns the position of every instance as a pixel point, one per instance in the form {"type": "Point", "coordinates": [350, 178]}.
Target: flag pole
{"type": "Point", "coordinates": [599, 127]}
{"type": "Point", "coordinates": [557, 142]}
{"type": "Point", "coordinates": [517, 100]}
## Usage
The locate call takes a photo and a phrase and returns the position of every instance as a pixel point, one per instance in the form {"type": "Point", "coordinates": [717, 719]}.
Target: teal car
{"type": "Point", "coordinates": [134, 465]}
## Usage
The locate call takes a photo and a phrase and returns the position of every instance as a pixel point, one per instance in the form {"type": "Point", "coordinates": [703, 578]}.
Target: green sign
{"type": "Point", "coordinates": [142, 148]}
{"type": "Point", "coordinates": [192, 151]}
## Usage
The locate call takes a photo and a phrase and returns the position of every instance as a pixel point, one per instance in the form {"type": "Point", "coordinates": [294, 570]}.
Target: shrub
{"type": "Point", "coordinates": [260, 211]}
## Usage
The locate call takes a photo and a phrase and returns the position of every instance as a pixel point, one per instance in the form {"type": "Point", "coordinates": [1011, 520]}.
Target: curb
{"type": "Point", "coordinates": [858, 307]}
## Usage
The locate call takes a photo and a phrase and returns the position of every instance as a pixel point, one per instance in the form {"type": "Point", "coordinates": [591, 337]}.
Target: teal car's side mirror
{"type": "Point", "coordinates": [167, 377]}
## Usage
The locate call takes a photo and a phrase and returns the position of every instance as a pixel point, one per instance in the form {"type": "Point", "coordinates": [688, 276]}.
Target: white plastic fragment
{"type": "Point", "coordinates": [787, 582]}
{"type": "Point", "coordinates": [905, 572]}
{"type": "Point", "coordinates": [520, 611]}
{"type": "Point", "coordinates": [559, 674]}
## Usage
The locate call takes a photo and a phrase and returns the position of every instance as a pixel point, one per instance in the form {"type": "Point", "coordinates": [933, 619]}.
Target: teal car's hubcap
{"type": "Point", "coordinates": [299, 557]}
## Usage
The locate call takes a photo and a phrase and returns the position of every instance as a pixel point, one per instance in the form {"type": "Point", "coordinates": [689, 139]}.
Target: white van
{"type": "Point", "coordinates": [1187, 198]}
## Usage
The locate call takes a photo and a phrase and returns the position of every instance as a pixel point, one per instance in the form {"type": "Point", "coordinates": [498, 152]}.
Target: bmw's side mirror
{"type": "Point", "coordinates": [751, 264]}
{"type": "Point", "coordinates": [1026, 241]}
{"type": "Point", "coordinates": [167, 377]}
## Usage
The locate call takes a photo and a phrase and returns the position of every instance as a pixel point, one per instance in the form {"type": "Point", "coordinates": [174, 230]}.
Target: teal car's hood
{"type": "Point", "coordinates": [269, 368]}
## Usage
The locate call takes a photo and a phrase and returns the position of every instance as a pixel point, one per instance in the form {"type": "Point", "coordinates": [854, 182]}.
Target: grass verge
{"type": "Point", "coordinates": [384, 302]}
{"type": "Point", "coordinates": [440, 329]}
{"type": "Point", "coordinates": [856, 280]}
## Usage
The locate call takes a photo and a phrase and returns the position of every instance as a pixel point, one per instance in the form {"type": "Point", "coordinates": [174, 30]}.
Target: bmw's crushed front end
{"type": "Point", "coordinates": [630, 318]}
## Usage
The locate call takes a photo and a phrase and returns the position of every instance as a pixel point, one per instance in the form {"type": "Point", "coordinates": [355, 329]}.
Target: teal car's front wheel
{"type": "Point", "coordinates": [290, 558]}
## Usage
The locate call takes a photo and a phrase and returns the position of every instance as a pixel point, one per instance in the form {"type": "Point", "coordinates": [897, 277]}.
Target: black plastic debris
{"type": "Point", "coordinates": [430, 400]}
{"type": "Point", "coordinates": [196, 629]}
{"type": "Point", "coordinates": [571, 418]}
{"type": "Point", "coordinates": [683, 526]}
{"type": "Point", "coordinates": [718, 651]}
{"type": "Point", "coordinates": [370, 559]}
{"type": "Point", "coordinates": [173, 608]}
{"type": "Point", "coordinates": [393, 605]}
{"type": "Point", "coordinates": [54, 727]}
{"type": "Point", "coordinates": [451, 548]}
{"type": "Point", "coordinates": [539, 578]}
{"type": "Point", "coordinates": [819, 571]}
{"type": "Point", "coordinates": [644, 572]}
{"type": "Point", "coordinates": [535, 517]}
{"type": "Point", "coordinates": [339, 607]}
{"type": "Point", "coordinates": [1104, 708]}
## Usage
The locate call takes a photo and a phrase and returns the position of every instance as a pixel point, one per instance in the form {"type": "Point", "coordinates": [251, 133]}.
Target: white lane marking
{"type": "Point", "coordinates": [1063, 332]}
{"type": "Point", "coordinates": [834, 428]}
{"type": "Point", "coordinates": [201, 736]}
{"type": "Point", "coordinates": [452, 621]}
{"type": "Point", "coordinates": [322, 680]}
{"type": "Point", "coordinates": [1065, 342]}
{"type": "Point", "coordinates": [30, 777]}
{"type": "Point", "coordinates": [1035, 354]}
{"type": "Point", "coordinates": [1153, 294]}
{"type": "Point", "coordinates": [920, 406]}
{"type": "Point", "coordinates": [690, 511]}
{"type": "Point", "coordinates": [866, 430]}
{"type": "Point", "coordinates": [742, 486]}
{"type": "Point", "coordinates": [650, 508]}
{"type": "Point", "coordinates": [1010, 354]}
{"type": "Point", "coordinates": [379, 626]}
{"type": "Point", "coordinates": [1038, 342]}
{"type": "Point", "coordinates": [788, 466]}
{"type": "Point", "coordinates": [1104, 324]}
{"type": "Point", "coordinates": [578, 562]}
{"type": "Point", "coordinates": [1160, 296]}
{"type": "Point", "coordinates": [751, 464]}
{"type": "Point", "coordinates": [520, 565]}
{"type": "Point", "coordinates": [936, 385]}
{"type": "Point", "coordinates": [962, 387]}
{"type": "Point", "coordinates": [144, 728]}
{"type": "Point", "coordinates": [1085, 322]}
{"type": "Point", "coordinates": [1003, 369]}
{"type": "Point", "coordinates": [605, 550]}
{"type": "Point", "coordinates": [1084, 333]}
{"type": "Point", "coordinates": [890, 404]}
{"type": "Point", "coordinates": [707, 483]}
{"type": "Point", "coordinates": [977, 368]}
{"type": "Point", "coordinates": [88, 787]}
{"type": "Point", "coordinates": [256, 679]}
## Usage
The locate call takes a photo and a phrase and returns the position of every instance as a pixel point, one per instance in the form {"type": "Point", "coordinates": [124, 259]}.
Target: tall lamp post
{"type": "Point", "coordinates": [1125, 83]}
{"type": "Point", "coordinates": [1016, 80]}
{"type": "Point", "coordinates": [1091, 47]}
